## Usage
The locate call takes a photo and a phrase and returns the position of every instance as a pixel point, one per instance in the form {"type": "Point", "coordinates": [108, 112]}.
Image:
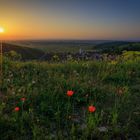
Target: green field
{"type": "Point", "coordinates": [48, 113]}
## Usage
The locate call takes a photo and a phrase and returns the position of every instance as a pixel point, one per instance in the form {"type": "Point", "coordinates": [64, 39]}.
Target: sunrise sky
{"type": "Point", "coordinates": [70, 19]}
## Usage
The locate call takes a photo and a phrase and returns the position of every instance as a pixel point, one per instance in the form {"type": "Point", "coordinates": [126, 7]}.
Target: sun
{"type": "Point", "coordinates": [1, 30]}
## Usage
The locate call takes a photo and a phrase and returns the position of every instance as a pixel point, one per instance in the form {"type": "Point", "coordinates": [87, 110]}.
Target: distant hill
{"type": "Point", "coordinates": [25, 52]}
{"type": "Point", "coordinates": [117, 47]}
{"type": "Point", "coordinates": [59, 46]}
{"type": "Point", "coordinates": [40, 49]}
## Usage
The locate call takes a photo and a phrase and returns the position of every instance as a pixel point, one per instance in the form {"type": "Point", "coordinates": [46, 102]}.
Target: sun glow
{"type": "Point", "coordinates": [1, 30]}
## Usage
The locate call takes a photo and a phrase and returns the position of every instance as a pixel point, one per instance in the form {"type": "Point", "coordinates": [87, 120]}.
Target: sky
{"type": "Point", "coordinates": [70, 19]}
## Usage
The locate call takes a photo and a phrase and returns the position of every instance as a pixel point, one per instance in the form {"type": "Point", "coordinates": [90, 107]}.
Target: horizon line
{"type": "Point", "coordinates": [129, 40]}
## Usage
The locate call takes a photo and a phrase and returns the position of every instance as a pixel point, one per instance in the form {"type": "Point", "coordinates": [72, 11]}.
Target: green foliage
{"type": "Point", "coordinates": [12, 55]}
{"type": "Point", "coordinates": [131, 55]}
{"type": "Point", "coordinates": [56, 58]}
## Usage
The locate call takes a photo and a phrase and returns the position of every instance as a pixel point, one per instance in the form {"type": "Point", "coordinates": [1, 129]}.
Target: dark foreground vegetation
{"type": "Point", "coordinates": [74, 100]}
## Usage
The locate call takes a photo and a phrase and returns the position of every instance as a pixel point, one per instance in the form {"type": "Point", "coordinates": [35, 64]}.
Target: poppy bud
{"type": "Point", "coordinates": [23, 99]}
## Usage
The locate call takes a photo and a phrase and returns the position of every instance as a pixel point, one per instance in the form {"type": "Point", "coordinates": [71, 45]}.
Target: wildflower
{"type": "Point", "coordinates": [20, 90]}
{"type": "Point", "coordinates": [91, 108]}
{"type": "Point", "coordinates": [70, 92]}
{"type": "Point", "coordinates": [17, 109]}
{"type": "Point", "coordinates": [121, 90]}
{"type": "Point", "coordinates": [33, 82]}
{"type": "Point", "coordinates": [23, 99]}
{"type": "Point", "coordinates": [86, 95]}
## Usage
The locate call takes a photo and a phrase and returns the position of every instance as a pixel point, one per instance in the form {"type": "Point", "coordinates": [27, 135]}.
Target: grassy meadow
{"type": "Point", "coordinates": [74, 100]}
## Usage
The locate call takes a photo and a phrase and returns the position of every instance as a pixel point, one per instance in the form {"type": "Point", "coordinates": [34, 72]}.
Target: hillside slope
{"type": "Point", "coordinates": [25, 52]}
{"type": "Point", "coordinates": [118, 47]}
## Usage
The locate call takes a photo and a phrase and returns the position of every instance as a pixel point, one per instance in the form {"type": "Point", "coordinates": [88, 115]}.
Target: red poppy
{"type": "Point", "coordinates": [70, 92]}
{"type": "Point", "coordinates": [17, 109]}
{"type": "Point", "coordinates": [23, 99]}
{"type": "Point", "coordinates": [91, 108]}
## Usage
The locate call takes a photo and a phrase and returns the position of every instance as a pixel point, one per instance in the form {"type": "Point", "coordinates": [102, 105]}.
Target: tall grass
{"type": "Point", "coordinates": [49, 113]}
